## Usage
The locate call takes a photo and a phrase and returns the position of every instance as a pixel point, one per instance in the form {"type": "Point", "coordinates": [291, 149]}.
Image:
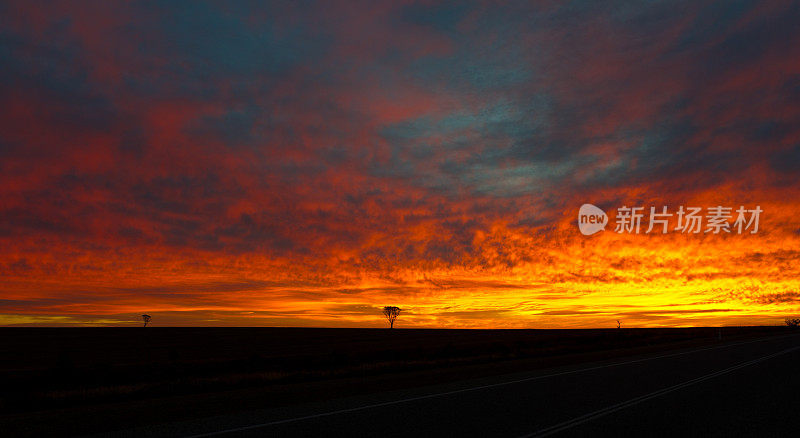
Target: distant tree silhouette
{"type": "Point", "coordinates": [793, 322]}
{"type": "Point", "coordinates": [391, 313]}
{"type": "Point", "coordinates": [146, 318]}
{"type": "Point", "coordinates": [618, 324]}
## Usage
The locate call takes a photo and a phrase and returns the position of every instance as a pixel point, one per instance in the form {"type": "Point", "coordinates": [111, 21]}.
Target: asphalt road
{"type": "Point", "coordinates": [747, 388]}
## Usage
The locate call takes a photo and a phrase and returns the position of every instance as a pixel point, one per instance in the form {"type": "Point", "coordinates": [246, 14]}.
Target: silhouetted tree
{"type": "Point", "coordinates": [618, 324]}
{"type": "Point", "coordinates": [146, 318]}
{"type": "Point", "coordinates": [391, 313]}
{"type": "Point", "coordinates": [793, 322]}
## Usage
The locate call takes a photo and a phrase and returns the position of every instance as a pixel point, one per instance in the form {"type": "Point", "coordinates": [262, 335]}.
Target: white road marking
{"type": "Point", "coordinates": [635, 401]}
{"type": "Point", "coordinates": [478, 388]}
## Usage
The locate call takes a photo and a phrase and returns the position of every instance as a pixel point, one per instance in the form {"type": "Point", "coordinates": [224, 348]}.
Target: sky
{"type": "Point", "coordinates": [306, 163]}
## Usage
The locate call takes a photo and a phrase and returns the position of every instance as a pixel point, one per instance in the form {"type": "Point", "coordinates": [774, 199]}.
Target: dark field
{"type": "Point", "coordinates": [80, 380]}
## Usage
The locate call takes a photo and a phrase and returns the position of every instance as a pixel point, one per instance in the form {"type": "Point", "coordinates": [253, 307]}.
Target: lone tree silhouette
{"type": "Point", "coordinates": [793, 322]}
{"type": "Point", "coordinates": [146, 318]}
{"type": "Point", "coordinates": [618, 324]}
{"type": "Point", "coordinates": [391, 313]}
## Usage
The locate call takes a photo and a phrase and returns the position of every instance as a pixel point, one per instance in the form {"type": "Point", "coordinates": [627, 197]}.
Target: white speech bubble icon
{"type": "Point", "coordinates": [591, 219]}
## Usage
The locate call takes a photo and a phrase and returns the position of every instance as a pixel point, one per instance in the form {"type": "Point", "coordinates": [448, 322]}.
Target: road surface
{"type": "Point", "coordinates": [749, 388]}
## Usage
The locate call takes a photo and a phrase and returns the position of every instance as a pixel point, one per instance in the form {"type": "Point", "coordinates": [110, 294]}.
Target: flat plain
{"type": "Point", "coordinates": [75, 381]}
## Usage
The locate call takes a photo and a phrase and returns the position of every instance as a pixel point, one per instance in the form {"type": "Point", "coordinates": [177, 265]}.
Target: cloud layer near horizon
{"type": "Point", "coordinates": [303, 163]}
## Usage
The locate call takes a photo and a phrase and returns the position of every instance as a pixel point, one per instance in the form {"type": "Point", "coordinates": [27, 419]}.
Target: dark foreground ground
{"type": "Point", "coordinates": [184, 381]}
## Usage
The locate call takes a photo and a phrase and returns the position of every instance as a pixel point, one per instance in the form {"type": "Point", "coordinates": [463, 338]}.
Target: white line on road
{"type": "Point", "coordinates": [635, 401]}
{"type": "Point", "coordinates": [470, 389]}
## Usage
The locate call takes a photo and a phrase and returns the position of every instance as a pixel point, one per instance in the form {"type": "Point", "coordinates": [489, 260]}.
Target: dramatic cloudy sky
{"type": "Point", "coordinates": [306, 163]}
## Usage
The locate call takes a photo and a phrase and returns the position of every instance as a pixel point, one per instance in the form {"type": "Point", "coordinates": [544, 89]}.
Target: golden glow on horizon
{"type": "Point", "coordinates": [562, 280]}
